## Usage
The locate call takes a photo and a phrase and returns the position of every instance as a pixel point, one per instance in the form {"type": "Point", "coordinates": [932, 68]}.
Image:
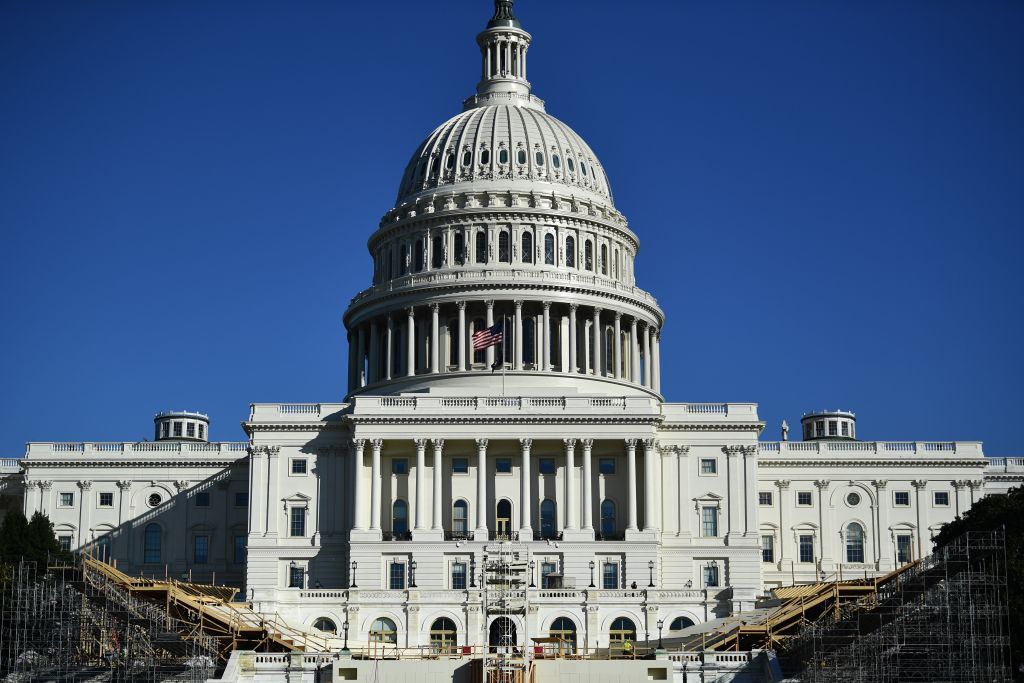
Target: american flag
{"type": "Point", "coordinates": [492, 336]}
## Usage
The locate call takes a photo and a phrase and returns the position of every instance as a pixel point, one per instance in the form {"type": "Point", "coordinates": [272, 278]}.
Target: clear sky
{"type": "Point", "coordinates": [829, 197]}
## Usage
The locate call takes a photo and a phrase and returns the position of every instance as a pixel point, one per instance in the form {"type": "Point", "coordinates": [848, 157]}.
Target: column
{"type": "Point", "coordinates": [631, 482]}
{"type": "Point", "coordinates": [749, 488]}
{"type": "Point", "coordinates": [273, 486]}
{"type": "Point", "coordinates": [617, 346]}
{"type": "Point", "coordinates": [957, 488]}
{"type": "Point", "coordinates": [598, 360]}
{"type": "Point", "coordinates": [884, 544]}
{"type": "Point", "coordinates": [481, 488]}
{"type": "Point", "coordinates": [358, 502]}
{"type": "Point", "coordinates": [517, 351]}
{"type": "Point", "coordinates": [656, 366]}
{"type": "Point", "coordinates": [922, 528]}
{"type": "Point", "coordinates": [647, 356]}
{"type": "Point", "coordinates": [375, 483]}
{"type": "Point", "coordinates": [362, 355]}
{"type": "Point", "coordinates": [490, 322]}
{"type": "Point", "coordinates": [85, 507]}
{"type": "Point", "coordinates": [782, 485]}
{"type": "Point", "coordinates": [825, 554]}
{"type": "Point", "coordinates": [570, 484]}
{"type": "Point", "coordinates": [634, 352]}
{"type": "Point", "coordinates": [438, 523]}
{"type": "Point", "coordinates": [588, 492]}
{"type": "Point", "coordinates": [546, 338]}
{"type": "Point", "coordinates": [683, 484]}
{"type": "Point", "coordinates": [525, 495]}
{"type": "Point", "coordinates": [374, 370]}
{"type": "Point", "coordinates": [389, 351]}
{"type": "Point", "coordinates": [410, 343]}
{"type": "Point", "coordinates": [735, 490]}
{"type": "Point", "coordinates": [650, 496]}
{"type": "Point", "coordinates": [572, 338]}
{"type": "Point", "coordinates": [435, 336]}
{"type": "Point", "coordinates": [462, 336]}
{"type": "Point", "coordinates": [421, 467]}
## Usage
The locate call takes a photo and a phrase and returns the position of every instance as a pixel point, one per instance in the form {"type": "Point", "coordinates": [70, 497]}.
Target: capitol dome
{"type": "Point", "coordinates": [510, 145]}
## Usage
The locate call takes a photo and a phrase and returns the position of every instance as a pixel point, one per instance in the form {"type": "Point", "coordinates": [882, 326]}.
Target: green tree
{"type": "Point", "coordinates": [13, 537]}
{"type": "Point", "coordinates": [992, 512]}
{"type": "Point", "coordinates": [42, 544]}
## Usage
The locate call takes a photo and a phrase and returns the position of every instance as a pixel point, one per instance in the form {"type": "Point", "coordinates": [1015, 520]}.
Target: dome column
{"type": "Point", "coordinates": [374, 369]}
{"type": "Point", "coordinates": [434, 339]}
{"type": "Point", "coordinates": [462, 336]}
{"type": "Point", "coordinates": [596, 334]}
{"type": "Point", "coordinates": [634, 352]}
{"type": "Point", "coordinates": [617, 341]}
{"type": "Point", "coordinates": [546, 338]}
{"type": "Point", "coordinates": [389, 353]}
{"type": "Point", "coordinates": [647, 355]}
{"type": "Point", "coordinates": [490, 324]}
{"type": "Point", "coordinates": [517, 351]}
{"type": "Point", "coordinates": [361, 336]}
{"type": "Point", "coordinates": [656, 370]}
{"type": "Point", "coordinates": [410, 343]}
{"type": "Point", "coordinates": [572, 338]}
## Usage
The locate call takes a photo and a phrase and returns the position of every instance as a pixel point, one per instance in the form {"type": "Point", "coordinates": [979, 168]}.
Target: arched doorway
{"type": "Point", "coordinates": [443, 636]}
{"type": "Point", "coordinates": [622, 637]}
{"type": "Point", "coordinates": [564, 629]}
{"type": "Point", "coordinates": [503, 519]}
{"type": "Point", "coordinates": [503, 635]}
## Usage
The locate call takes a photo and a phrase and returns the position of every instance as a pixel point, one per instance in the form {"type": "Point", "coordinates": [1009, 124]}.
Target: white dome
{"type": "Point", "coordinates": [509, 145]}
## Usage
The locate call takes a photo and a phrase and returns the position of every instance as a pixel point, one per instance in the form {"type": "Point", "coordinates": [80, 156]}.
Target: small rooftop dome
{"type": "Point", "coordinates": [829, 425]}
{"type": "Point", "coordinates": [181, 425]}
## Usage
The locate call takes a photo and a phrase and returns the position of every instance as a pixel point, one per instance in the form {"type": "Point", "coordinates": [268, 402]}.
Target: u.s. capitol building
{"type": "Point", "coordinates": [554, 446]}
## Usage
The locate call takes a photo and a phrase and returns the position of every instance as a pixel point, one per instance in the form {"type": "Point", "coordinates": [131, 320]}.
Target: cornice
{"type": "Point", "coordinates": [251, 427]}
{"type": "Point", "coordinates": [499, 419]}
{"type": "Point", "coordinates": [861, 462]}
{"type": "Point", "coordinates": [164, 463]}
{"type": "Point", "coordinates": [712, 426]}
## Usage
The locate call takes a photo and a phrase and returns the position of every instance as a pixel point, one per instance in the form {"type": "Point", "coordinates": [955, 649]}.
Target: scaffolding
{"type": "Point", "coordinates": [505, 604]}
{"type": "Point", "coordinates": [944, 619]}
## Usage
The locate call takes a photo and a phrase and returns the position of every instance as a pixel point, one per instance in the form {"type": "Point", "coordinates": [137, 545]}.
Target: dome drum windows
{"type": "Point", "coordinates": [485, 156]}
{"type": "Point", "coordinates": [570, 252]}
{"type": "Point", "coordinates": [481, 246]}
{"type": "Point", "coordinates": [504, 247]}
{"type": "Point", "coordinates": [549, 249]}
{"type": "Point", "coordinates": [588, 255]}
{"type": "Point", "coordinates": [503, 156]}
{"type": "Point", "coordinates": [437, 252]}
{"type": "Point", "coordinates": [526, 246]}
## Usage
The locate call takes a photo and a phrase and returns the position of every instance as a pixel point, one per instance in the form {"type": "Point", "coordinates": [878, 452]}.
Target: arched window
{"type": "Point", "coordinates": [479, 356]}
{"type": "Point", "coordinates": [504, 247]}
{"type": "Point", "coordinates": [326, 625]}
{"type": "Point", "coordinates": [404, 259]}
{"type": "Point", "coordinates": [622, 629]}
{"type": "Point", "coordinates": [449, 160]}
{"type": "Point", "coordinates": [570, 251]}
{"type": "Point", "coordinates": [151, 544]}
{"type": "Point", "coordinates": [608, 521]}
{"type": "Point", "coordinates": [437, 252]}
{"type": "Point", "coordinates": [383, 630]}
{"type": "Point", "coordinates": [854, 542]}
{"type": "Point", "coordinates": [521, 157]}
{"type": "Point", "coordinates": [460, 248]}
{"type": "Point", "coordinates": [443, 636]}
{"type": "Point", "coordinates": [529, 341]}
{"type": "Point", "coordinates": [571, 164]}
{"type": "Point", "coordinates": [564, 629]}
{"type": "Point", "coordinates": [609, 351]}
{"type": "Point", "coordinates": [615, 265]}
{"type": "Point", "coordinates": [503, 517]}
{"type": "Point", "coordinates": [467, 159]}
{"type": "Point", "coordinates": [400, 518]}
{"type": "Point", "coordinates": [588, 255]}
{"type": "Point", "coordinates": [604, 259]}
{"type": "Point", "coordinates": [460, 519]}
{"type": "Point", "coordinates": [527, 247]}
{"type": "Point", "coordinates": [556, 161]}
{"type": "Point", "coordinates": [548, 519]}
{"type": "Point", "coordinates": [549, 249]}
{"type": "Point", "coordinates": [679, 623]}
{"type": "Point", "coordinates": [481, 246]}
{"type": "Point", "coordinates": [502, 156]}
{"type": "Point", "coordinates": [539, 158]}
{"type": "Point", "coordinates": [485, 157]}
{"type": "Point", "coordinates": [419, 262]}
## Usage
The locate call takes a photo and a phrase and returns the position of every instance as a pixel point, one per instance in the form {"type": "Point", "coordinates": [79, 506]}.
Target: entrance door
{"type": "Point", "coordinates": [502, 636]}
{"type": "Point", "coordinates": [504, 520]}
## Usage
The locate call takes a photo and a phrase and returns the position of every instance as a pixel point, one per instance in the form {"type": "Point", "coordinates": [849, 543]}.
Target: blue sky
{"type": "Point", "coordinates": [829, 196]}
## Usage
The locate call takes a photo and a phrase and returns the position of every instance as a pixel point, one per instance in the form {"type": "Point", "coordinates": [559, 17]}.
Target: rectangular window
{"type": "Point", "coordinates": [298, 522]}
{"type": "Point", "coordinates": [901, 498]}
{"type": "Point", "coordinates": [298, 465]}
{"type": "Point", "coordinates": [832, 428]}
{"type": "Point", "coordinates": [201, 549]}
{"type": "Point", "coordinates": [399, 466]}
{"type": "Point", "coordinates": [460, 465]}
{"type": "Point", "coordinates": [941, 498]}
{"type": "Point", "coordinates": [764, 498]}
{"type": "Point", "coordinates": [709, 522]}
{"type": "Point", "coordinates": [610, 575]}
{"type": "Point", "coordinates": [202, 431]}
{"type": "Point", "coordinates": [67, 500]}
{"type": "Point", "coordinates": [165, 430]}
{"type": "Point", "coordinates": [807, 548]}
{"type": "Point", "coordinates": [903, 553]}
{"type": "Point", "coordinates": [65, 543]}
{"type": "Point", "coordinates": [846, 428]}
{"type": "Point", "coordinates": [767, 548]}
{"type": "Point", "coordinates": [503, 465]}
{"type": "Point", "coordinates": [819, 428]}
{"type": "Point", "coordinates": [239, 548]}
{"type": "Point", "coordinates": [459, 576]}
{"type": "Point", "coordinates": [396, 576]}
{"type": "Point", "coordinates": [106, 500]}
{"type": "Point", "coordinates": [203, 499]}
{"type": "Point", "coordinates": [546, 465]}
{"type": "Point", "coordinates": [606, 465]}
{"type": "Point", "coordinates": [296, 577]}
{"type": "Point", "coordinates": [708, 466]}
{"type": "Point", "coordinates": [711, 576]}
{"type": "Point", "coordinates": [803, 498]}
{"type": "Point", "coordinates": [190, 429]}
{"type": "Point", "coordinates": [546, 570]}
{"type": "Point", "coordinates": [241, 499]}
{"type": "Point", "coordinates": [177, 429]}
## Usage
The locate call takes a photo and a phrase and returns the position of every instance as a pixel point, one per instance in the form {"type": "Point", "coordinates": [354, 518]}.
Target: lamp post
{"type": "Point", "coordinates": [661, 622]}
{"type": "Point", "coordinates": [472, 571]}
{"type": "Point", "coordinates": [532, 566]}
{"type": "Point", "coordinates": [344, 627]}
{"type": "Point", "coordinates": [650, 567]}
{"type": "Point", "coordinates": [592, 574]}
{"type": "Point", "coordinates": [352, 575]}
{"type": "Point", "coordinates": [412, 574]}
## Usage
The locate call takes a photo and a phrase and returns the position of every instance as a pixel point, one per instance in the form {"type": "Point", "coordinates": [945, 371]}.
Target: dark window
{"type": "Point", "coordinates": [854, 543]}
{"type": "Point", "coordinates": [399, 466]}
{"type": "Point", "coordinates": [903, 553]}
{"type": "Point", "coordinates": [239, 547]}
{"type": "Point", "coordinates": [459, 576]}
{"type": "Point", "coordinates": [190, 429]}
{"type": "Point", "coordinates": [203, 499]}
{"type": "Point", "coordinates": [539, 157]}
{"type": "Point", "coordinates": [480, 355]}
{"type": "Point", "coordinates": [556, 161]}
{"type": "Point", "coordinates": [151, 543]}
{"type": "Point", "coordinates": [571, 164]}
{"type": "Point", "coordinates": [604, 259]}
{"type": "Point", "coordinates": [529, 341]}
{"type": "Point", "coordinates": [106, 500]}
{"type": "Point", "coordinates": [606, 465]}
{"type": "Point", "coordinates": [570, 252]}
{"type": "Point", "coordinates": [588, 255]}
{"type": "Point", "coordinates": [610, 575]}
{"type": "Point", "coordinates": [155, 499]}
{"type": "Point", "coordinates": [546, 465]}
{"type": "Point", "coordinates": [485, 157]}
{"type": "Point", "coordinates": [241, 499]}
{"type": "Point", "coordinates": [326, 625]}
{"type": "Point", "coordinates": [679, 623]}
{"type": "Point", "coordinates": [201, 549]}
{"type": "Point", "coordinates": [481, 247]}
{"type": "Point", "coordinates": [941, 498]}
{"type": "Point", "coordinates": [396, 576]}
{"type": "Point", "coordinates": [607, 518]}
{"type": "Point", "coordinates": [502, 156]}
{"type": "Point", "coordinates": [449, 161]}
{"type": "Point", "coordinates": [503, 465]}
{"type": "Point", "coordinates": [764, 498]}
{"type": "Point", "coordinates": [504, 247]}
{"type": "Point", "coordinates": [299, 466]}
{"type": "Point", "coordinates": [400, 517]}
{"type": "Point", "coordinates": [65, 543]}
{"type": "Point", "coordinates": [845, 428]}
{"type": "Point", "coordinates": [803, 498]}
{"type": "Point", "coordinates": [67, 499]}
{"type": "Point", "coordinates": [298, 522]}
{"type": "Point", "coordinates": [467, 158]}
{"type": "Point", "coordinates": [527, 247]}
{"type": "Point", "coordinates": [460, 465]}
{"type": "Point", "coordinates": [709, 521]}
{"type": "Point", "coordinates": [521, 157]}
{"type": "Point", "coordinates": [546, 570]}
{"type": "Point", "coordinates": [708, 466]}
{"type": "Point", "coordinates": [296, 577]}
{"type": "Point", "coordinates": [583, 167]}
{"type": "Point", "coordinates": [177, 429]}
{"type": "Point", "coordinates": [419, 262]}
{"type": "Point", "coordinates": [902, 498]}
{"type": "Point", "coordinates": [767, 548]}
{"type": "Point", "coordinates": [437, 252]}
{"type": "Point", "coordinates": [548, 520]}
{"type": "Point", "coordinates": [833, 428]}
{"type": "Point", "coordinates": [711, 576]}
{"type": "Point", "coordinates": [404, 258]}
{"type": "Point", "coordinates": [460, 518]}
{"type": "Point", "coordinates": [549, 249]}
{"type": "Point", "coordinates": [460, 248]}
{"type": "Point", "coordinates": [807, 548]}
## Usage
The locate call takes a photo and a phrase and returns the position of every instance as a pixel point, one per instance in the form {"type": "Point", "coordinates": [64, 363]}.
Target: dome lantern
{"type": "Point", "coordinates": [503, 46]}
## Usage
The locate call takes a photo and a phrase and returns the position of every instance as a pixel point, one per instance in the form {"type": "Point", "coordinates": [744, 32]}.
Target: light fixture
{"type": "Point", "coordinates": [412, 574]}
{"type": "Point", "coordinates": [532, 566]}
{"type": "Point", "coordinates": [650, 566]}
{"type": "Point", "coordinates": [352, 575]}
{"type": "Point", "coordinates": [591, 563]}
{"type": "Point", "coordinates": [661, 622]}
